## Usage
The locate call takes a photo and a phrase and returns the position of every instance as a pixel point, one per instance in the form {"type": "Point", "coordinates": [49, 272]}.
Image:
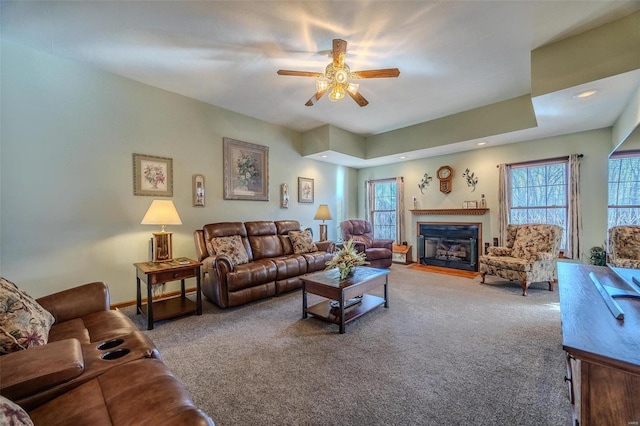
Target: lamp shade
{"type": "Point", "coordinates": [161, 212]}
{"type": "Point", "coordinates": [323, 213]}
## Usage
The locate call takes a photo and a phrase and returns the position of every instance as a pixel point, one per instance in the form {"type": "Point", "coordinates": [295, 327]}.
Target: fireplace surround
{"type": "Point", "coordinates": [452, 245]}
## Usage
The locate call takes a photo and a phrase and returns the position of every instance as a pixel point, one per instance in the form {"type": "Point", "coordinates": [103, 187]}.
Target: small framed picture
{"type": "Point", "coordinates": [305, 190]}
{"type": "Point", "coordinates": [472, 204]}
{"type": "Point", "coordinates": [152, 175]}
{"type": "Point", "coordinates": [198, 190]}
{"type": "Point", "coordinates": [284, 196]}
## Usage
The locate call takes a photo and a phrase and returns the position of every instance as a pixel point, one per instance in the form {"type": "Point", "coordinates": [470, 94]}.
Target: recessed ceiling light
{"type": "Point", "coordinates": [402, 157]}
{"type": "Point", "coordinates": [481, 143]}
{"type": "Point", "coordinates": [585, 94]}
{"type": "Point", "coordinates": [324, 155]}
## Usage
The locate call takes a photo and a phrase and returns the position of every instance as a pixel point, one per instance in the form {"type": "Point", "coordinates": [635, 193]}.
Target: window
{"type": "Point", "coordinates": [383, 208]}
{"type": "Point", "coordinates": [624, 189]}
{"type": "Point", "coordinates": [539, 194]}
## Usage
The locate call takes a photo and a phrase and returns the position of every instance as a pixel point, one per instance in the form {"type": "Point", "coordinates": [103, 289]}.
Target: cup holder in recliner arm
{"type": "Point", "coordinates": [118, 353]}
{"type": "Point", "coordinates": [110, 344]}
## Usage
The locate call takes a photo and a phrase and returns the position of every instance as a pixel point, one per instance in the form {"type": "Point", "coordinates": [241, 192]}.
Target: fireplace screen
{"type": "Point", "coordinates": [449, 246]}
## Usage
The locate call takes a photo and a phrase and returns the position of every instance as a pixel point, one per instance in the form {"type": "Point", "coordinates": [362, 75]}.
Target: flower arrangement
{"type": "Point", "coordinates": [247, 169]}
{"type": "Point", "coordinates": [154, 175]}
{"type": "Point", "coordinates": [346, 259]}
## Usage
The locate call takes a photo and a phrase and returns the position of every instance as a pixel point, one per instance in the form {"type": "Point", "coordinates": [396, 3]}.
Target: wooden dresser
{"type": "Point", "coordinates": [603, 353]}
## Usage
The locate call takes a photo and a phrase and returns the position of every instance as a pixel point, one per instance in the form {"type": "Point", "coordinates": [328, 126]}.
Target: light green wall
{"type": "Point", "coordinates": [68, 213]}
{"type": "Point", "coordinates": [595, 145]}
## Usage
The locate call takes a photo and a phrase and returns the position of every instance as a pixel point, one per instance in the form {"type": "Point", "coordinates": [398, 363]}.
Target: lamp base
{"type": "Point", "coordinates": [162, 246]}
{"type": "Point", "coordinates": [323, 232]}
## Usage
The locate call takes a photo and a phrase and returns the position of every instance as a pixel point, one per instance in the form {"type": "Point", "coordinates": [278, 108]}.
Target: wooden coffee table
{"type": "Point", "coordinates": [328, 284]}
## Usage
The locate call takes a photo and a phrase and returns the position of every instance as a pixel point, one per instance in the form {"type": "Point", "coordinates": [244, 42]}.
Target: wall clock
{"type": "Point", "coordinates": [445, 174]}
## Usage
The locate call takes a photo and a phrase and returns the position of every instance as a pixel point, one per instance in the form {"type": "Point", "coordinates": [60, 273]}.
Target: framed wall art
{"type": "Point", "coordinates": [246, 171]}
{"type": "Point", "coordinates": [284, 196]}
{"type": "Point", "coordinates": [152, 175]}
{"type": "Point", "coordinates": [305, 190]}
{"type": "Point", "coordinates": [198, 190]}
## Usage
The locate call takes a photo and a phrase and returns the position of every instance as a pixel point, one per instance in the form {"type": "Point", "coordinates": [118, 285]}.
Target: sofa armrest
{"type": "Point", "coordinates": [327, 246]}
{"type": "Point", "coordinates": [77, 302]}
{"type": "Point", "coordinates": [498, 251]}
{"type": "Point", "coordinates": [214, 272]}
{"type": "Point", "coordinates": [39, 368]}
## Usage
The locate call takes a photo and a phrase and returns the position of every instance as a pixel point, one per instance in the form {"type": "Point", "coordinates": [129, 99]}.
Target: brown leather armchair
{"type": "Point", "coordinates": [378, 251]}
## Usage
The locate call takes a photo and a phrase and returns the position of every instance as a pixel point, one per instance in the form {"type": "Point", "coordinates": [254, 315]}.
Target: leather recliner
{"type": "Point", "coordinates": [379, 251]}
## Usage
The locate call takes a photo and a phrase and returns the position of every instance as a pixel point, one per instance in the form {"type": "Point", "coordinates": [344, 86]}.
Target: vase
{"type": "Point", "coordinates": [346, 272]}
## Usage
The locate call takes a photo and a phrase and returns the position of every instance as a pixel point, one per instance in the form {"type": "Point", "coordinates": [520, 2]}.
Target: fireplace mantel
{"type": "Point", "coordinates": [454, 212]}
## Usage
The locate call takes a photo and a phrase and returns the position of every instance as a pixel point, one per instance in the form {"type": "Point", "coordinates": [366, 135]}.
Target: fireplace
{"type": "Point", "coordinates": [449, 245]}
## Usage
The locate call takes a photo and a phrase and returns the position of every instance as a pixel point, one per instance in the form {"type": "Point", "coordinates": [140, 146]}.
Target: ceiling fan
{"type": "Point", "coordinates": [336, 76]}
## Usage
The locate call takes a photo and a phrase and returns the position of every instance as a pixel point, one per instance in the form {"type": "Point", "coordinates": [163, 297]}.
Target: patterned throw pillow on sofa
{"type": "Point", "coordinates": [23, 322]}
{"type": "Point", "coordinates": [302, 242]}
{"type": "Point", "coordinates": [231, 246]}
{"type": "Point", "coordinates": [13, 414]}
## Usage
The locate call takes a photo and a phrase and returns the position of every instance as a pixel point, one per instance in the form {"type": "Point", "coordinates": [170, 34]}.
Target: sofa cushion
{"type": "Point", "coordinates": [12, 414]}
{"type": "Point", "coordinates": [302, 242]}
{"type": "Point", "coordinates": [23, 322]}
{"type": "Point", "coordinates": [230, 246]}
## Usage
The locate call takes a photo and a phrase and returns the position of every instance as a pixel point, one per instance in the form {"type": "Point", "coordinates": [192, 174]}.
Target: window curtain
{"type": "Point", "coordinates": [400, 228]}
{"type": "Point", "coordinates": [504, 202]}
{"type": "Point", "coordinates": [368, 199]}
{"type": "Point", "coordinates": [574, 224]}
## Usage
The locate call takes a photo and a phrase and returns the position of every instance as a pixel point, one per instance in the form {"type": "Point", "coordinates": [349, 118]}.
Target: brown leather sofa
{"type": "Point", "coordinates": [141, 392]}
{"type": "Point", "coordinates": [379, 251]}
{"type": "Point", "coordinates": [90, 348]}
{"type": "Point", "coordinates": [273, 267]}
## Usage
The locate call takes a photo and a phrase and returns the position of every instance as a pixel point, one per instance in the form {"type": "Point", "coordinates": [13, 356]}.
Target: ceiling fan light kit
{"type": "Point", "coordinates": [337, 74]}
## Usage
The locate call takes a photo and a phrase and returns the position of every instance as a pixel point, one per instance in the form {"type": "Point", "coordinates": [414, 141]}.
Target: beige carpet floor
{"type": "Point", "coordinates": [448, 351]}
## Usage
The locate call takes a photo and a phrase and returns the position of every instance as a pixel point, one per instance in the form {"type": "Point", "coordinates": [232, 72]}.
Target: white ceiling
{"type": "Point", "coordinates": [453, 56]}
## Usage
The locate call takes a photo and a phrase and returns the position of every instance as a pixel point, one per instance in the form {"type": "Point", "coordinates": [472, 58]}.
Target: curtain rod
{"type": "Point", "coordinates": [546, 160]}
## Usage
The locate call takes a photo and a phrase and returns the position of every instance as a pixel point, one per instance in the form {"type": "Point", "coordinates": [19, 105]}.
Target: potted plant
{"type": "Point", "coordinates": [347, 259]}
{"type": "Point", "coordinates": [598, 256]}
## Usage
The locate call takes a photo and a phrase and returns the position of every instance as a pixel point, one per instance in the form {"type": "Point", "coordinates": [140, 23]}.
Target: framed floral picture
{"type": "Point", "coordinates": [198, 190]}
{"type": "Point", "coordinates": [246, 171]}
{"type": "Point", "coordinates": [152, 175]}
{"type": "Point", "coordinates": [305, 190]}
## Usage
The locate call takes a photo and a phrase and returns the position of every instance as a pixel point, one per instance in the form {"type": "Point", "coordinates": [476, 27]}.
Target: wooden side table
{"type": "Point", "coordinates": [154, 273]}
{"type": "Point", "coordinates": [401, 254]}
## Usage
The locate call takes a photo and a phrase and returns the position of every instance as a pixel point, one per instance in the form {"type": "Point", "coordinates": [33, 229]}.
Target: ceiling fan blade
{"type": "Point", "coordinates": [387, 72]}
{"type": "Point", "coordinates": [315, 98]}
{"type": "Point", "coordinates": [339, 51]}
{"type": "Point", "coordinates": [300, 73]}
{"type": "Point", "coordinates": [360, 100]}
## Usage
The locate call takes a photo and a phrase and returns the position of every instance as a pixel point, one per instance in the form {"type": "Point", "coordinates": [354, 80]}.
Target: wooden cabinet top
{"type": "Point", "coordinates": [589, 329]}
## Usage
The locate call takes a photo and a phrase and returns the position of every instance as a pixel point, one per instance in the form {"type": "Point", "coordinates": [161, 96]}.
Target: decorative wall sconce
{"type": "Point", "coordinates": [424, 182]}
{"type": "Point", "coordinates": [472, 180]}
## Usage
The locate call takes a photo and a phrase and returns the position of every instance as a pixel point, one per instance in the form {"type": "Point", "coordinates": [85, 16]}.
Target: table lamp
{"type": "Point", "coordinates": [163, 213]}
{"type": "Point", "coordinates": [323, 214]}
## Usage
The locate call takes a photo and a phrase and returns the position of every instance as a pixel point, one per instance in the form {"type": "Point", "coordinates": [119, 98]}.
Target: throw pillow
{"type": "Point", "coordinates": [231, 246]}
{"type": "Point", "coordinates": [23, 322]}
{"type": "Point", "coordinates": [13, 414]}
{"type": "Point", "coordinates": [302, 242]}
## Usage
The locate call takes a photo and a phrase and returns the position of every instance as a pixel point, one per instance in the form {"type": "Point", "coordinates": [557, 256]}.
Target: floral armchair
{"type": "Point", "coordinates": [530, 255]}
{"type": "Point", "coordinates": [624, 246]}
